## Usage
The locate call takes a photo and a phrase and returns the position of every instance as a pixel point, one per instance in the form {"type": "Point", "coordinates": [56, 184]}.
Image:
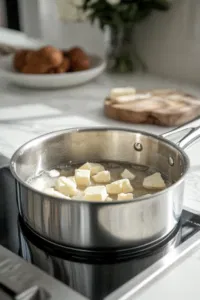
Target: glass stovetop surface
{"type": "Point", "coordinates": [97, 275]}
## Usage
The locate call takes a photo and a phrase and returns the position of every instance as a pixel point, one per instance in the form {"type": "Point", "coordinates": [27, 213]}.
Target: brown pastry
{"type": "Point", "coordinates": [34, 64]}
{"type": "Point", "coordinates": [79, 59]}
{"type": "Point", "coordinates": [51, 56]}
{"type": "Point", "coordinates": [65, 53]}
{"type": "Point", "coordinates": [80, 64]}
{"type": "Point", "coordinates": [51, 71]}
{"type": "Point", "coordinates": [75, 53]}
{"type": "Point", "coordinates": [50, 60]}
{"type": "Point", "coordinates": [43, 60]}
{"type": "Point", "coordinates": [19, 59]}
{"type": "Point", "coordinates": [36, 68]}
{"type": "Point", "coordinates": [64, 67]}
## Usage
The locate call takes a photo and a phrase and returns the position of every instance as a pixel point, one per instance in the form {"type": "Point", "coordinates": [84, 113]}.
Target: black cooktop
{"type": "Point", "coordinates": [96, 274]}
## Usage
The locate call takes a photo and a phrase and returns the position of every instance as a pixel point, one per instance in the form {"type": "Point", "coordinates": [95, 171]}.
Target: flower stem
{"type": "Point", "coordinates": [122, 56]}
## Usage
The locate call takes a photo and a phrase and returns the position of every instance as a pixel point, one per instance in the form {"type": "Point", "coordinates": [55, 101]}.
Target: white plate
{"type": "Point", "coordinates": [51, 80]}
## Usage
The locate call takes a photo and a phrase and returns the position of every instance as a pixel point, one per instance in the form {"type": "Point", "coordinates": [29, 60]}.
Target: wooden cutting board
{"type": "Point", "coordinates": [160, 107]}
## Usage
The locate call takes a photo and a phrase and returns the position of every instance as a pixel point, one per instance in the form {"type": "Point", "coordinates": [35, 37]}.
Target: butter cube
{"type": "Point", "coordinates": [79, 196]}
{"type": "Point", "coordinates": [119, 186]}
{"type": "Point", "coordinates": [102, 177]}
{"type": "Point", "coordinates": [82, 177]}
{"type": "Point", "coordinates": [54, 173]}
{"type": "Point", "coordinates": [109, 199]}
{"type": "Point", "coordinates": [66, 186]}
{"type": "Point", "coordinates": [154, 181]}
{"type": "Point", "coordinates": [39, 184]}
{"type": "Point", "coordinates": [54, 193]}
{"type": "Point", "coordinates": [126, 186]}
{"type": "Point", "coordinates": [93, 167]}
{"type": "Point", "coordinates": [121, 91]}
{"type": "Point", "coordinates": [123, 196]}
{"type": "Point", "coordinates": [97, 193]}
{"type": "Point", "coordinates": [126, 174]}
{"type": "Point", "coordinates": [114, 187]}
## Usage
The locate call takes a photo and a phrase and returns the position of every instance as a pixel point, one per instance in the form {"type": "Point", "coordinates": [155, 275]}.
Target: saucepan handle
{"type": "Point", "coordinates": [186, 135]}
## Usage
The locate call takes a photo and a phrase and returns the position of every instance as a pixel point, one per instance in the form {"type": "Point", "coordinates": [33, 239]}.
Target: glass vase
{"type": "Point", "coordinates": [122, 56]}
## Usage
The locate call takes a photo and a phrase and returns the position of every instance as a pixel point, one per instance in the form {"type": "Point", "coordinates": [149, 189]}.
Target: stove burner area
{"type": "Point", "coordinates": [96, 274]}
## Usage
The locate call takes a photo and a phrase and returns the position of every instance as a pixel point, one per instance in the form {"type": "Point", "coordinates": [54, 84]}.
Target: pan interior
{"type": "Point", "coordinates": [121, 146]}
{"type": "Point", "coordinates": [44, 180]}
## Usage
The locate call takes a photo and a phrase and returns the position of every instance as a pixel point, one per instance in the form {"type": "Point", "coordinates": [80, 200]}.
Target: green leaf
{"type": "Point", "coordinates": [125, 13]}
{"type": "Point", "coordinates": [142, 14]}
{"type": "Point", "coordinates": [161, 5]}
{"type": "Point", "coordinates": [92, 18]}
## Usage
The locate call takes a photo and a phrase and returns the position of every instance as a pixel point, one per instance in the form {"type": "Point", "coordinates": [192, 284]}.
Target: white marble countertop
{"type": "Point", "coordinates": [26, 113]}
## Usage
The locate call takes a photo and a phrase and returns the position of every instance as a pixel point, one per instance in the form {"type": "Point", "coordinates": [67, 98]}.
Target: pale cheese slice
{"type": "Point", "coordinates": [123, 196]}
{"type": "Point", "coordinates": [126, 174]}
{"type": "Point", "coordinates": [119, 186]}
{"type": "Point", "coordinates": [93, 167]}
{"type": "Point", "coordinates": [82, 177]}
{"type": "Point", "coordinates": [66, 186]}
{"type": "Point", "coordinates": [102, 177]}
{"type": "Point", "coordinates": [95, 193]}
{"type": "Point", "coordinates": [154, 181]}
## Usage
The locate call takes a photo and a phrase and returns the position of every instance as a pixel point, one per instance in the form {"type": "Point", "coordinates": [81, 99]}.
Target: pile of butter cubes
{"type": "Point", "coordinates": [93, 183]}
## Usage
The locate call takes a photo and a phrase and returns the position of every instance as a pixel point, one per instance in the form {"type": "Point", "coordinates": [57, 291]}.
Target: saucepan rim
{"type": "Point", "coordinates": [90, 129]}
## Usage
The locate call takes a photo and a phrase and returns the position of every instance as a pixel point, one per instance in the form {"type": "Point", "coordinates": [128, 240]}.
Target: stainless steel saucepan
{"type": "Point", "coordinates": [104, 225]}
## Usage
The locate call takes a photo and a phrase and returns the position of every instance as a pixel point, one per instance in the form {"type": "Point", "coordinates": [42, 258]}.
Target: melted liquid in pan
{"type": "Point", "coordinates": [44, 180]}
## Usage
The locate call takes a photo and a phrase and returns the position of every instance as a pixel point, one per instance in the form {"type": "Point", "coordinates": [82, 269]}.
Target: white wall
{"type": "Point", "coordinates": [168, 42]}
{"type": "Point", "coordinates": [56, 32]}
